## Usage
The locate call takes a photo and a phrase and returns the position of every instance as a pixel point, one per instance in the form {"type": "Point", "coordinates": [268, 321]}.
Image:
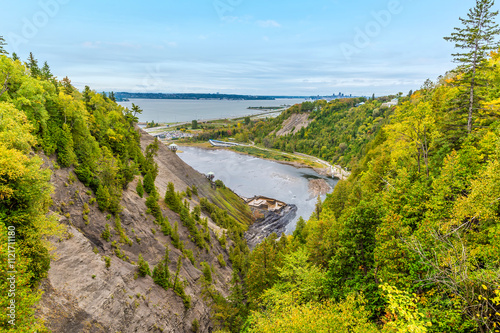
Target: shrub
{"type": "Point", "coordinates": [222, 262]}
{"type": "Point", "coordinates": [149, 183]}
{"type": "Point", "coordinates": [107, 261]}
{"type": "Point", "coordinates": [143, 266]}
{"type": "Point", "coordinates": [195, 326]}
{"type": "Point", "coordinates": [106, 234]}
{"type": "Point", "coordinates": [103, 197]}
{"type": "Point", "coordinates": [140, 189]}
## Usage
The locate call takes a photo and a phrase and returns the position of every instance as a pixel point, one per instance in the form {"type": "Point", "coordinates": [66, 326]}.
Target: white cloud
{"type": "Point", "coordinates": [268, 24]}
{"type": "Point", "coordinates": [91, 45]}
{"type": "Point", "coordinates": [99, 44]}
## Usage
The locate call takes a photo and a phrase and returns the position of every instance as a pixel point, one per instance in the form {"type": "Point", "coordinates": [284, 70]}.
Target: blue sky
{"type": "Point", "coordinates": [315, 47]}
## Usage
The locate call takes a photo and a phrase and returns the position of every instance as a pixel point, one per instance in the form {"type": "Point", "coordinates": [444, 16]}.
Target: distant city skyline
{"type": "Point", "coordinates": [318, 47]}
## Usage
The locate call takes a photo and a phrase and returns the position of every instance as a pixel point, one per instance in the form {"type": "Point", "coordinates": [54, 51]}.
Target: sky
{"type": "Point", "coordinates": [257, 47]}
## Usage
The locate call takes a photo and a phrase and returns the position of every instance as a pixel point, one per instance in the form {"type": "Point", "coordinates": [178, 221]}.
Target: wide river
{"type": "Point", "coordinates": [179, 110]}
{"type": "Point", "coordinates": [249, 176]}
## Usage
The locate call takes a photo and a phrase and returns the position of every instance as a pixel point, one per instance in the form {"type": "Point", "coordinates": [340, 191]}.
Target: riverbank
{"type": "Point", "coordinates": [249, 176]}
{"type": "Point", "coordinates": [297, 160]}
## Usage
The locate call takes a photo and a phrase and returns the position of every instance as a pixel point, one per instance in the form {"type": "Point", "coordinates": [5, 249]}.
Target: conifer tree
{"type": "Point", "coordinates": [32, 64]}
{"type": "Point", "coordinates": [476, 38]}
{"type": "Point", "coordinates": [140, 189]}
{"type": "Point", "coordinates": [103, 197]}
{"type": "Point", "coordinates": [149, 183]}
{"type": "Point", "coordinates": [14, 56]}
{"type": "Point", "coordinates": [143, 266]}
{"type": "Point", "coordinates": [177, 271]}
{"type": "Point", "coordinates": [68, 88]}
{"type": "Point", "coordinates": [2, 44]}
{"type": "Point", "coordinates": [65, 152]}
{"type": "Point", "coordinates": [46, 74]}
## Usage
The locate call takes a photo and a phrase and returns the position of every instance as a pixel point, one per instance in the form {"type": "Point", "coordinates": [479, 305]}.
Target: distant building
{"type": "Point", "coordinates": [359, 104]}
{"type": "Point", "coordinates": [173, 147]}
{"type": "Point", "coordinates": [161, 135]}
{"type": "Point", "coordinates": [392, 103]}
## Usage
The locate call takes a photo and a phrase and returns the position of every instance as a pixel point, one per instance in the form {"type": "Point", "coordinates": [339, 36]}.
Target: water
{"type": "Point", "coordinates": [179, 110]}
{"type": "Point", "coordinates": [249, 176]}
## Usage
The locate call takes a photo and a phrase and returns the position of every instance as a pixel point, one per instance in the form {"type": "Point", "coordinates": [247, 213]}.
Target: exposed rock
{"type": "Point", "coordinates": [294, 124]}
{"type": "Point", "coordinates": [318, 187]}
{"type": "Point", "coordinates": [273, 221]}
{"type": "Point", "coordinates": [82, 295]}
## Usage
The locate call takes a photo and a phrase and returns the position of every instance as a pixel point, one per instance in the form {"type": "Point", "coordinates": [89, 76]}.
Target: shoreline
{"type": "Point", "coordinates": [165, 125]}
{"type": "Point", "coordinates": [205, 145]}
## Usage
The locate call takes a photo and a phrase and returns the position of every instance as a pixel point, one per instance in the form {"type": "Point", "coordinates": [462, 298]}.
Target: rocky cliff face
{"type": "Point", "coordinates": [82, 294]}
{"type": "Point", "coordinates": [271, 222]}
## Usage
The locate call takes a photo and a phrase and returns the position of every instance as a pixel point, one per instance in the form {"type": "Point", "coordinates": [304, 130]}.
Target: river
{"type": "Point", "coordinates": [249, 176]}
{"type": "Point", "coordinates": [180, 110]}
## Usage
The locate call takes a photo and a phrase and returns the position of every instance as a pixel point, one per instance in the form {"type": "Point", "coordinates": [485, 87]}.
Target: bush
{"type": "Point", "coordinates": [219, 183]}
{"type": "Point", "coordinates": [149, 183]}
{"type": "Point", "coordinates": [140, 189]}
{"type": "Point", "coordinates": [195, 326]}
{"type": "Point", "coordinates": [222, 262]}
{"type": "Point", "coordinates": [207, 272]}
{"type": "Point", "coordinates": [107, 261]}
{"type": "Point", "coordinates": [143, 267]}
{"type": "Point", "coordinates": [106, 234]}
{"type": "Point", "coordinates": [103, 197]}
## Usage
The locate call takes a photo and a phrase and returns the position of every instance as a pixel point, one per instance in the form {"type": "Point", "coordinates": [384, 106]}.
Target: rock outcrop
{"type": "Point", "coordinates": [84, 294]}
{"type": "Point", "coordinates": [273, 221]}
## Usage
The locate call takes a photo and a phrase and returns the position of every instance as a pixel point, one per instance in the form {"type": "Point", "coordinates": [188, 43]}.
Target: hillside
{"type": "Point", "coordinates": [411, 241]}
{"type": "Point", "coordinates": [114, 232]}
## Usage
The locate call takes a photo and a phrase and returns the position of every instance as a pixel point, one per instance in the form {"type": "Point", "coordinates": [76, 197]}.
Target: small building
{"type": "Point", "coordinates": [173, 147]}
{"type": "Point", "coordinates": [211, 176]}
{"type": "Point", "coordinates": [392, 103]}
{"type": "Point", "coordinates": [161, 135]}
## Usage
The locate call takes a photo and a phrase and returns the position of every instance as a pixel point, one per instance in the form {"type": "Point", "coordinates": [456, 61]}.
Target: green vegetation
{"type": "Point", "coordinates": [195, 326]}
{"type": "Point", "coordinates": [410, 242]}
{"type": "Point", "coordinates": [106, 234]}
{"type": "Point", "coordinates": [143, 266]}
{"type": "Point", "coordinates": [139, 188]}
{"type": "Point", "coordinates": [83, 130]}
{"type": "Point", "coordinates": [267, 154]}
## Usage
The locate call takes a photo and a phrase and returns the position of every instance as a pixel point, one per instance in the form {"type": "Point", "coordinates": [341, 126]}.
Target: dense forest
{"type": "Point", "coordinates": [338, 131]}
{"type": "Point", "coordinates": [47, 122]}
{"type": "Point", "coordinates": [411, 241]}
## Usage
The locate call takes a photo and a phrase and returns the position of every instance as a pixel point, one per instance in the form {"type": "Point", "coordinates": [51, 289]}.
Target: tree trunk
{"type": "Point", "coordinates": [471, 92]}
{"type": "Point", "coordinates": [471, 105]}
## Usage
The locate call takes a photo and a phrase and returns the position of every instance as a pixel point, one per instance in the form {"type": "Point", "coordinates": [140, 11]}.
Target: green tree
{"type": "Point", "coordinates": [32, 64]}
{"type": "Point", "coordinates": [2, 44]}
{"type": "Point", "coordinates": [161, 273]}
{"type": "Point", "coordinates": [68, 87]}
{"type": "Point", "coordinates": [103, 197]}
{"type": "Point", "coordinates": [194, 124]}
{"type": "Point", "coordinates": [207, 272]}
{"type": "Point", "coordinates": [143, 266]}
{"type": "Point", "coordinates": [66, 155]}
{"type": "Point", "coordinates": [45, 72]}
{"type": "Point", "coordinates": [149, 183]}
{"type": "Point", "coordinates": [139, 188]}
{"type": "Point", "coordinates": [476, 38]}
{"type": "Point", "coordinates": [177, 272]}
